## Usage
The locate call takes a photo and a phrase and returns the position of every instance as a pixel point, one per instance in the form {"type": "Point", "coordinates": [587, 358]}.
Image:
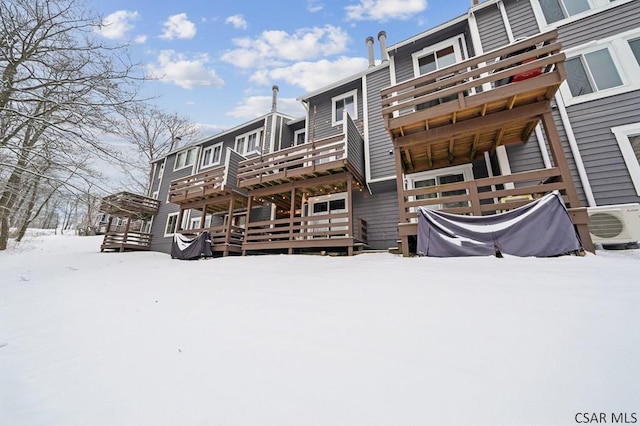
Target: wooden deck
{"type": "Point", "coordinates": [454, 115]}
{"type": "Point", "coordinates": [127, 204]}
{"type": "Point", "coordinates": [126, 241]}
{"type": "Point", "coordinates": [137, 210]}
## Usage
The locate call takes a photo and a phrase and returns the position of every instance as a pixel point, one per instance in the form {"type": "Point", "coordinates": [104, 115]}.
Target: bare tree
{"type": "Point", "coordinates": [59, 82]}
{"type": "Point", "coordinates": [151, 134]}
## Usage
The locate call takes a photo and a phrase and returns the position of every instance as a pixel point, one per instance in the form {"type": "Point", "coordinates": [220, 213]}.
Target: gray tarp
{"type": "Point", "coordinates": [541, 228]}
{"type": "Point", "coordinates": [187, 248]}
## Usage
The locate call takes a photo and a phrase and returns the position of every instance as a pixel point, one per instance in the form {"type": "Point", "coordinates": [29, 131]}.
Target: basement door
{"type": "Point", "coordinates": [325, 205]}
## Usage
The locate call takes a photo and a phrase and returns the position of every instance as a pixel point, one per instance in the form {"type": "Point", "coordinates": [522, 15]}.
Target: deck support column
{"type": "Point", "coordinates": [126, 233]}
{"type": "Point", "coordinates": [292, 214]}
{"type": "Point", "coordinates": [179, 223]}
{"type": "Point", "coordinates": [227, 233]}
{"type": "Point", "coordinates": [404, 239]}
{"type": "Point", "coordinates": [247, 222]}
{"type": "Point", "coordinates": [351, 224]}
{"type": "Point", "coordinates": [559, 159]}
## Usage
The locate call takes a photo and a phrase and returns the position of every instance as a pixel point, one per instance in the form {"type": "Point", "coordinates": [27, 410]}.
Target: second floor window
{"type": "Point", "coordinates": [185, 158]}
{"type": "Point", "coordinates": [592, 72]}
{"type": "Point", "coordinates": [557, 10]}
{"type": "Point", "coordinates": [346, 102]}
{"type": "Point", "coordinates": [249, 142]}
{"type": "Point", "coordinates": [211, 155]}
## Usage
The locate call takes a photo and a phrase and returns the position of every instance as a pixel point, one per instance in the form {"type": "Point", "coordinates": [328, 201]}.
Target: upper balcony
{"type": "Point", "coordinates": [454, 114]}
{"type": "Point", "coordinates": [332, 155]}
{"type": "Point", "coordinates": [213, 183]}
{"type": "Point", "coordinates": [127, 204]}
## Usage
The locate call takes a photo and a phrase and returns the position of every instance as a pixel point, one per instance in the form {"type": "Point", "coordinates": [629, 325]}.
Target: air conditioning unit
{"type": "Point", "coordinates": [615, 224]}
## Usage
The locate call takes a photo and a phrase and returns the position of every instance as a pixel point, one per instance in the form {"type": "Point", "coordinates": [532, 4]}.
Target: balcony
{"type": "Point", "coordinates": [134, 212]}
{"type": "Point", "coordinates": [213, 183]}
{"type": "Point", "coordinates": [333, 155]}
{"type": "Point", "coordinates": [453, 115]}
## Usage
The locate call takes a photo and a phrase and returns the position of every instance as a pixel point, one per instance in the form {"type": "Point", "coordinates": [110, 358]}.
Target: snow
{"type": "Point", "coordinates": [90, 338]}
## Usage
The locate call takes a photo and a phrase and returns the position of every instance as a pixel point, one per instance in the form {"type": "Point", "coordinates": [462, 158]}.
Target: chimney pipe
{"type": "Point", "coordinates": [369, 42]}
{"type": "Point", "coordinates": [382, 38]}
{"type": "Point", "coordinates": [274, 98]}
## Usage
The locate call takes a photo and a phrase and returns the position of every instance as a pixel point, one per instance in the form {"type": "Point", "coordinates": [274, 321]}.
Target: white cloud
{"type": "Point", "coordinates": [276, 48]}
{"type": "Point", "coordinates": [383, 10]}
{"type": "Point", "coordinates": [178, 26]}
{"type": "Point", "coordinates": [314, 6]}
{"type": "Point", "coordinates": [237, 21]}
{"type": "Point", "coordinates": [117, 24]}
{"type": "Point", "coordinates": [255, 106]}
{"type": "Point", "coordinates": [187, 73]}
{"type": "Point", "coordinates": [312, 75]}
{"type": "Point", "coordinates": [141, 39]}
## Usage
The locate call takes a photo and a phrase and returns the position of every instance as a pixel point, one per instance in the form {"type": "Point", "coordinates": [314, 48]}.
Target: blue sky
{"type": "Point", "coordinates": [218, 60]}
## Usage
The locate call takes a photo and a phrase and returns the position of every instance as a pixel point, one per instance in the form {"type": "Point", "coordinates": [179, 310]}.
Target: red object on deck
{"type": "Point", "coordinates": [527, 74]}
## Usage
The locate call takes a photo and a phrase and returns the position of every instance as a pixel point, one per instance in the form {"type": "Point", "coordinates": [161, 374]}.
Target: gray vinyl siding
{"type": "Point", "coordinates": [601, 25]}
{"type": "Point", "coordinates": [525, 156]}
{"type": "Point", "coordinates": [158, 241]}
{"type": "Point", "coordinates": [380, 211]}
{"type": "Point", "coordinates": [288, 132]}
{"type": "Point", "coordinates": [321, 108]}
{"type": "Point", "coordinates": [355, 147]}
{"type": "Point", "coordinates": [491, 28]}
{"type": "Point", "coordinates": [231, 164]}
{"type": "Point", "coordinates": [403, 61]}
{"type": "Point", "coordinates": [381, 163]}
{"type": "Point", "coordinates": [521, 18]}
{"type": "Point", "coordinates": [592, 122]}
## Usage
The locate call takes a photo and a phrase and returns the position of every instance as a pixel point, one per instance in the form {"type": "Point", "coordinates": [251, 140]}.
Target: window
{"type": "Point", "coordinates": [345, 102]}
{"type": "Point", "coordinates": [249, 142]}
{"type": "Point", "coordinates": [211, 155]}
{"type": "Point", "coordinates": [562, 11]}
{"type": "Point", "coordinates": [194, 223]}
{"type": "Point", "coordinates": [592, 72]}
{"type": "Point", "coordinates": [441, 177]}
{"type": "Point", "coordinates": [185, 158]}
{"type": "Point", "coordinates": [161, 172]}
{"type": "Point", "coordinates": [602, 68]}
{"type": "Point", "coordinates": [628, 137]}
{"type": "Point", "coordinates": [172, 222]}
{"type": "Point", "coordinates": [327, 205]}
{"type": "Point", "coordinates": [299, 137]}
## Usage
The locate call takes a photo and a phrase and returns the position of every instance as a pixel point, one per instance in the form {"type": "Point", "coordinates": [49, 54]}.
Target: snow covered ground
{"type": "Point", "coordinates": [90, 338]}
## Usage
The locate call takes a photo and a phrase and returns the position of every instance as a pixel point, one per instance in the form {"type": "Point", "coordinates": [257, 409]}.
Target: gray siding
{"type": "Point", "coordinates": [382, 164]}
{"type": "Point", "coordinates": [321, 118]}
{"type": "Point", "coordinates": [381, 213]}
{"type": "Point", "coordinates": [355, 147]}
{"type": "Point", "coordinates": [491, 28]}
{"type": "Point", "coordinates": [521, 19]}
{"type": "Point", "coordinates": [600, 25]}
{"type": "Point", "coordinates": [525, 156]}
{"type": "Point", "coordinates": [403, 60]}
{"type": "Point", "coordinates": [592, 123]}
{"type": "Point", "coordinates": [232, 160]}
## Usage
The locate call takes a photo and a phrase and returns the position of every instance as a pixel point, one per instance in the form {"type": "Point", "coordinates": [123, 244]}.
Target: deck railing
{"type": "Point", "coordinates": [483, 196]}
{"type": "Point", "coordinates": [221, 235]}
{"type": "Point", "coordinates": [203, 184]}
{"type": "Point", "coordinates": [129, 240]}
{"type": "Point", "coordinates": [453, 88]}
{"type": "Point", "coordinates": [126, 204]}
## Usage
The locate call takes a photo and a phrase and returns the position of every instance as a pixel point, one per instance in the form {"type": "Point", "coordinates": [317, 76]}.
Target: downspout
{"type": "Point", "coordinates": [573, 144]}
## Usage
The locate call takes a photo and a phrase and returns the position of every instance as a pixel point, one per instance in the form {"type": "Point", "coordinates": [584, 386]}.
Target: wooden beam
{"type": "Point", "coordinates": [450, 151]}
{"type": "Point", "coordinates": [429, 156]}
{"type": "Point", "coordinates": [474, 125]}
{"type": "Point", "coordinates": [408, 161]}
{"type": "Point", "coordinates": [474, 146]}
{"type": "Point", "coordinates": [499, 136]}
{"type": "Point", "coordinates": [512, 101]}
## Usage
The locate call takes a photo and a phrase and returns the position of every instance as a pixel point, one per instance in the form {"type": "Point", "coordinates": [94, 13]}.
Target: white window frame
{"type": "Point", "coordinates": [622, 134]}
{"type": "Point", "coordinates": [623, 59]}
{"type": "Point", "coordinates": [245, 151]}
{"type": "Point", "coordinates": [296, 134]}
{"type": "Point", "coordinates": [454, 42]}
{"type": "Point", "coordinates": [194, 223]}
{"type": "Point", "coordinates": [161, 172]}
{"type": "Point", "coordinates": [597, 6]}
{"type": "Point", "coordinates": [166, 224]}
{"type": "Point", "coordinates": [465, 169]}
{"type": "Point", "coordinates": [212, 149]}
{"type": "Point", "coordinates": [352, 93]}
{"type": "Point", "coordinates": [326, 225]}
{"type": "Point", "coordinates": [185, 152]}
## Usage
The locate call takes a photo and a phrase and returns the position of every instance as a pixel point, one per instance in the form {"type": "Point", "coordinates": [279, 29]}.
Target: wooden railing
{"type": "Point", "coordinates": [131, 240]}
{"type": "Point", "coordinates": [220, 235]}
{"type": "Point", "coordinates": [484, 196]}
{"type": "Point", "coordinates": [361, 231]}
{"type": "Point", "coordinates": [127, 204]}
{"type": "Point", "coordinates": [453, 88]}
{"type": "Point", "coordinates": [333, 225]}
{"type": "Point", "coordinates": [203, 184]}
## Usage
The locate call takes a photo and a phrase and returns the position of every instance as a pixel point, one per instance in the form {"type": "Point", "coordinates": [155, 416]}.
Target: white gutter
{"type": "Point", "coordinates": [573, 144]}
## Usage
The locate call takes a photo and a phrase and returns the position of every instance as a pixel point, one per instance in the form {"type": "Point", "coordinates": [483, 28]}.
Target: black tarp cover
{"type": "Point", "coordinates": [541, 228]}
{"type": "Point", "coordinates": [187, 248]}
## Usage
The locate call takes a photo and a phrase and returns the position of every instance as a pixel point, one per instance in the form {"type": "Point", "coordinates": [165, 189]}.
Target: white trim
{"type": "Point", "coordinates": [503, 162]}
{"type": "Point", "coordinates": [295, 136]}
{"type": "Point", "coordinates": [476, 41]}
{"type": "Point", "coordinates": [365, 123]}
{"type": "Point", "coordinates": [622, 134]}
{"type": "Point", "coordinates": [211, 148]}
{"type": "Point", "coordinates": [505, 21]}
{"type": "Point", "coordinates": [258, 132]}
{"type": "Point", "coordinates": [272, 134]}
{"type": "Point", "coordinates": [185, 165]}
{"type": "Point", "coordinates": [343, 96]}
{"type": "Point", "coordinates": [465, 169]}
{"type": "Point", "coordinates": [575, 151]}
{"type": "Point", "coordinates": [454, 42]}
{"type": "Point", "coordinates": [543, 148]}
{"type": "Point", "coordinates": [597, 6]}
{"type": "Point", "coordinates": [623, 59]}
{"type": "Point", "coordinates": [166, 223]}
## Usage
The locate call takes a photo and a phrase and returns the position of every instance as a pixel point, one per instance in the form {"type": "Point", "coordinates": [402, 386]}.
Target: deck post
{"type": "Point", "coordinates": [179, 223]}
{"type": "Point", "coordinates": [248, 221]}
{"type": "Point", "coordinates": [126, 233]}
{"type": "Point", "coordinates": [227, 232]}
{"type": "Point", "coordinates": [404, 239]}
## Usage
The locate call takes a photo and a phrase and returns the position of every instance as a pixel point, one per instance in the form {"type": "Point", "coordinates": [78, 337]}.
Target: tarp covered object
{"type": "Point", "coordinates": [541, 228]}
{"type": "Point", "coordinates": [187, 248]}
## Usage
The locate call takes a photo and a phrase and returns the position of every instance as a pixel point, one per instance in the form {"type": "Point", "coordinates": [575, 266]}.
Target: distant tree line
{"type": "Point", "coordinates": [63, 89]}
